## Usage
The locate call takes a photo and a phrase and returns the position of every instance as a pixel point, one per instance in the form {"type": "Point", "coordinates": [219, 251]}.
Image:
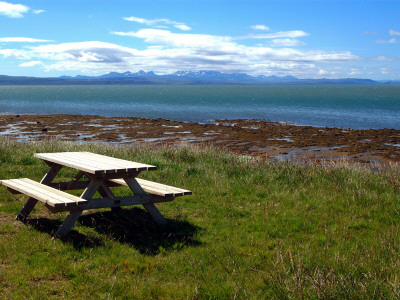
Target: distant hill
{"type": "Point", "coordinates": [180, 77]}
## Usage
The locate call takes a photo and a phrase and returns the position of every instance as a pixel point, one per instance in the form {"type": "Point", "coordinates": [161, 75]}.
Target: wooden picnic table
{"type": "Point", "coordinates": [101, 172]}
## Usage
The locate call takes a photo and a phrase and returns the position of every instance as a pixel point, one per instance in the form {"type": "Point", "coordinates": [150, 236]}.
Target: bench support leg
{"type": "Point", "coordinates": [155, 213]}
{"type": "Point", "coordinates": [74, 215]}
{"type": "Point", "coordinates": [68, 223]}
{"type": "Point", "coordinates": [26, 210]}
{"type": "Point", "coordinates": [151, 208]}
{"type": "Point", "coordinates": [30, 204]}
{"type": "Point", "coordinates": [105, 191]}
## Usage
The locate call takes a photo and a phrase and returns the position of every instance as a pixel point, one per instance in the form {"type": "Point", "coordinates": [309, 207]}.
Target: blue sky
{"type": "Point", "coordinates": [306, 39]}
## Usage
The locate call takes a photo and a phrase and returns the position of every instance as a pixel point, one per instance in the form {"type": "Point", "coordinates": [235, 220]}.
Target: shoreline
{"type": "Point", "coordinates": [280, 141]}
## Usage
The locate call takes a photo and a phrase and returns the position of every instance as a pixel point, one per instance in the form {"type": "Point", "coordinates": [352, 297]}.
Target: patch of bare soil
{"type": "Point", "coordinates": [249, 137]}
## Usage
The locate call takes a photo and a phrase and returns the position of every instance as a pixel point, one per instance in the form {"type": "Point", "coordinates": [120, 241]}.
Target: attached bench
{"type": "Point", "coordinates": [57, 200]}
{"type": "Point", "coordinates": [48, 195]}
{"type": "Point", "coordinates": [156, 188]}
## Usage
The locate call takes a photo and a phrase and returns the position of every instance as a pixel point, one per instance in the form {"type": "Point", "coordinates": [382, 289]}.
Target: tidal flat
{"type": "Point", "coordinates": [271, 140]}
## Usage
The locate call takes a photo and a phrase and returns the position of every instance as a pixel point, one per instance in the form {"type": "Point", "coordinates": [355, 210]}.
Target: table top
{"type": "Point", "coordinates": [94, 163]}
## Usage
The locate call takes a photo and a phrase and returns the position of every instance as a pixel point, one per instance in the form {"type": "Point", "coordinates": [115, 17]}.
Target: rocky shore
{"type": "Point", "coordinates": [249, 137]}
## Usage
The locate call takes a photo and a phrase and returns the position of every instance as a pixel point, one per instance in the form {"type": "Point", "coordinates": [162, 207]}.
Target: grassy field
{"type": "Point", "coordinates": [251, 230]}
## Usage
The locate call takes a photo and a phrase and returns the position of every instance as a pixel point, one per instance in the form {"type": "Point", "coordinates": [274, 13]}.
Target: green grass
{"type": "Point", "coordinates": [252, 229]}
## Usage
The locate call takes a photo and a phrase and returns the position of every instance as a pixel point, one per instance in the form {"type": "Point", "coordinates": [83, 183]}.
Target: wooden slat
{"type": "Point", "coordinates": [42, 192]}
{"type": "Point", "coordinates": [111, 202]}
{"type": "Point", "coordinates": [46, 188]}
{"type": "Point", "coordinates": [32, 191]}
{"type": "Point", "coordinates": [75, 162]}
{"type": "Point", "coordinates": [156, 188]}
{"type": "Point", "coordinates": [131, 166]}
{"type": "Point", "coordinates": [97, 164]}
{"type": "Point", "coordinates": [65, 161]}
{"type": "Point", "coordinates": [31, 203]}
{"type": "Point", "coordinates": [94, 163]}
{"type": "Point", "coordinates": [175, 190]}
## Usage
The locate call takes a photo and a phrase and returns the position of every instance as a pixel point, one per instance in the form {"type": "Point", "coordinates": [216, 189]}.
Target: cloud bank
{"type": "Point", "coordinates": [168, 51]}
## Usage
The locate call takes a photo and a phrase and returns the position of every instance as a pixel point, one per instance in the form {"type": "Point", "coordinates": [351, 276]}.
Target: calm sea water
{"type": "Point", "coordinates": [338, 106]}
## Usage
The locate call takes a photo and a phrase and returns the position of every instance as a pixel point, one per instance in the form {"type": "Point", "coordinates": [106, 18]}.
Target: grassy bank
{"type": "Point", "coordinates": [251, 229]}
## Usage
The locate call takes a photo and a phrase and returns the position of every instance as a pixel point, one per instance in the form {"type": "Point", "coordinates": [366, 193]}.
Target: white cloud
{"type": "Point", "coordinates": [21, 40]}
{"type": "Point", "coordinates": [394, 33]}
{"type": "Point", "coordinates": [38, 11]}
{"type": "Point", "coordinates": [383, 58]}
{"type": "Point", "coordinates": [139, 20]}
{"type": "Point", "coordinates": [33, 63]}
{"type": "Point", "coordinates": [260, 27]}
{"type": "Point", "coordinates": [354, 71]}
{"type": "Point", "coordinates": [159, 23]}
{"type": "Point", "coordinates": [391, 41]}
{"type": "Point", "coordinates": [370, 32]}
{"type": "Point", "coordinates": [276, 35]}
{"type": "Point", "coordinates": [182, 27]}
{"type": "Point", "coordinates": [15, 53]}
{"type": "Point", "coordinates": [92, 51]}
{"type": "Point", "coordinates": [13, 10]}
{"type": "Point", "coordinates": [287, 43]}
{"type": "Point", "coordinates": [180, 40]}
{"type": "Point", "coordinates": [168, 52]}
{"type": "Point", "coordinates": [384, 71]}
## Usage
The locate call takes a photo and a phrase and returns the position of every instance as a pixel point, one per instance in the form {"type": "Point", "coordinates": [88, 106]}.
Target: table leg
{"type": "Point", "coordinates": [151, 208]}
{"type": "Point", "coordinates": [105, 191]}
{"type": "Point", "coordinates": [75, 214]}
{"type": "Point", "coordinates": [30, 204]}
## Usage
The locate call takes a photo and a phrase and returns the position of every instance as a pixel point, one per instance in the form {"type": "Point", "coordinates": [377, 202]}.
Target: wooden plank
{"type": "Point", "coordinates": [113, 202]}
{"type": "Point", "coordinates": [151, 208]}
{"type": "Point", "coordinates": [100, 166]}
{"type": "Point", "coordinates": [42, 192]}
{"type": "Point", "coordinates": [154, 191]}
{"type": "Point", "coordinates": [120, 163]}
{"type": "Point", "coordinates": [94, 163]}
{"type": "Point", "coordinates": [67, 198]}
{"type": "Point", "coordinates": [75, 214]}
{"type": "Point", "coordinates": [118, 201]}
{"type": "Point", "coordinates": [91, 189]}
{"type": "Point", "coordinates": [160, 186]}
{"type": "Point", "coordinates": [66, 186]}
{"type": "Point", "coordinates": [116, 175]}
{"type": "Point", "coordinates": [68, 223]}
{"type": "Point", "coordinates": [32, 191]}
{"type": "Point", "coordinates": [30, 204]}
{"type": "Point", "coordinates": [75, 180]}
{"type": "Point", "coordinates": [105, 192]}
{"type": "Point", "coordinates": [157, 188]}
{"type": "Point", "coordinates": [76, 163]}
{"type": "Point", "coordinates": [155, 213]}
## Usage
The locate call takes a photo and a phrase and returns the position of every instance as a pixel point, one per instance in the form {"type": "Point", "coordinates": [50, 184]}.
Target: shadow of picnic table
{"type": "Point", "coordinates": [132, 226]}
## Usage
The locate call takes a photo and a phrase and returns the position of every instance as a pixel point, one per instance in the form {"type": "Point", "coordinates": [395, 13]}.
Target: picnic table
{"type": "Point", "coordinates": [101, 172]}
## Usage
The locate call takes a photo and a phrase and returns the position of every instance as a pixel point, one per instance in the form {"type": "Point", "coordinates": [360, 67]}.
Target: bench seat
{"type": "Point", "coordinates": [43, 193]}
{"type": "Point", "coordinates": [155, 188]}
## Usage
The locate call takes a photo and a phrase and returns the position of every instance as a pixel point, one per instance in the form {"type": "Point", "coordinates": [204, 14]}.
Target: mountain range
{"type": "Point", "coordinates": [180, 77]}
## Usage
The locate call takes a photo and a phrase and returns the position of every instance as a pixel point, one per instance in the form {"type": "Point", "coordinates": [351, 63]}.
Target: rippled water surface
{"type": "Point", "coordinates": [374, 106]}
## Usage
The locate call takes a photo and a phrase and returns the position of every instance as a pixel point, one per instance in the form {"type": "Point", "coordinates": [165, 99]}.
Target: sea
{"type": "Point", "coordinates": [343, 106]}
